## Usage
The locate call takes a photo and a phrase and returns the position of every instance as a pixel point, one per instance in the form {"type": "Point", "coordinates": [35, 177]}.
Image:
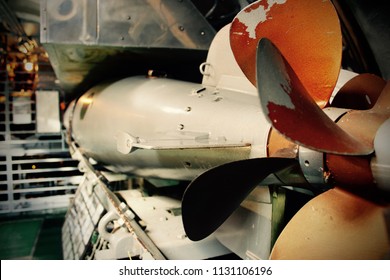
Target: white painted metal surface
{"type": "Point", "coordinates": [157, 127]}
{"type": "Point", "coordinates": [247, 232]}
{"type": "Point", "coordinates": [162, 217]}
{"type": "Point", "coordinates": [221, 69]}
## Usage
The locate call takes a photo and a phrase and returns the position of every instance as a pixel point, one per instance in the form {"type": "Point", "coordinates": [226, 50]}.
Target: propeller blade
{"type": "Point", "coordinates": [359, 93]}
{"type": "Point", "coordinates": [308, 34]}
{"type": "Point", "coordinates": [334, 225]}
{"type": "Point", "coordinates": [291, 110]}
{"type": "Point", "coordinates": [214, 195]}
{"type": "Point", "coordinates": [355, 175]}
{"type": "Point", "coordinates": [363, 125]}
{"type": "Point", "coordinates": [365, 177]}
{"type": "Point", "coordinates": [383, 103]}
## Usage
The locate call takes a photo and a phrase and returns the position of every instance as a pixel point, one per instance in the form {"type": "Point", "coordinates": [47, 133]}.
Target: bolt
{"type": "Point", "coordinates": [121, 222]}
{"type": "Point", "coordinates": [129, 214]}
{"type": "Point", "coordinates": [123, 206]}
{"type": "Point", "coordinates": [128, 143]}
{"type": "Point", "coordinates": [181, 236]}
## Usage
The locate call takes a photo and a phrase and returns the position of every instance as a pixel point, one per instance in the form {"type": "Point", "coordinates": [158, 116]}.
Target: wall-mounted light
{"type": "Point", "coordinates": [28, 66]}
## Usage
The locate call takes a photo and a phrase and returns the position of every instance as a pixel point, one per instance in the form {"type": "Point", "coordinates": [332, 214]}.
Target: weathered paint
{"type": "Point", "coordinates": [308, 34]}
{"type": "Point", "coordinates": [255, 14]}
{"type": "Point", "coordinates": [303, 122]}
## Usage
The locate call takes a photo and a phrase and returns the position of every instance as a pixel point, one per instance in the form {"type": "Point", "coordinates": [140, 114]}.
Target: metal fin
{"type": "Point", "coordinates": [214, 195]}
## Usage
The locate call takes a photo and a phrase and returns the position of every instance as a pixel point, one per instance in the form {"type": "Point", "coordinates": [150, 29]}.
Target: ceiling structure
{"type": "Point", "coordinates": [80, 64]}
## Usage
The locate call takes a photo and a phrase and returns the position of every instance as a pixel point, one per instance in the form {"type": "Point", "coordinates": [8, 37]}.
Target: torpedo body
{"type": "Point", "coordinates": [162, 128]}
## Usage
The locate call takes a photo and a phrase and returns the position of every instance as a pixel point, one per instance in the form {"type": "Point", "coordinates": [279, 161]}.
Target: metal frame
{"type": "Point", "coordinates": [36, 170]}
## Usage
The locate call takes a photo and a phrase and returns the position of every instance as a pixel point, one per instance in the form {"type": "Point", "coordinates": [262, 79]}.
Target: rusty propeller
{"type": "Point", "coordinates": [293, 112]}
{"type": "Point", "coordinates": [334, 225]}
{"type": "Point", "coordinates": [295, 72]}
{"type": "Point", "coordinates": [307, 32]}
